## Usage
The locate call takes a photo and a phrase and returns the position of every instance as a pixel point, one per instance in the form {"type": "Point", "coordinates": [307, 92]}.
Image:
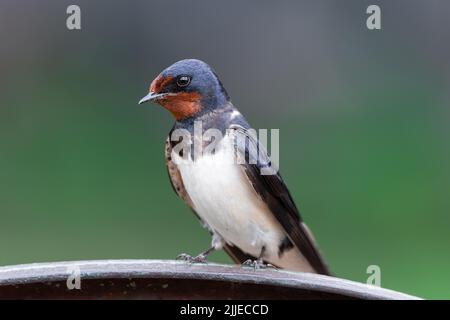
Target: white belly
{"type": "Point", "coordinates": [227, 203]}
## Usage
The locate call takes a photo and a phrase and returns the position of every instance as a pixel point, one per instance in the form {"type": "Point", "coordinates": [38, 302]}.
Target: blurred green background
{"type": "Point", "coordinates": [363, 116]}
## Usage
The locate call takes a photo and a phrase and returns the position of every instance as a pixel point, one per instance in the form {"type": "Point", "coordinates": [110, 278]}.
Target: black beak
{"type": "Point", "coordinates": [152, 96]}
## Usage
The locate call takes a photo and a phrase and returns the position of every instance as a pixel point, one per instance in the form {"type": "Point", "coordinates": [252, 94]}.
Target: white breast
{"type": "Point", "coordinates": [227, 203]}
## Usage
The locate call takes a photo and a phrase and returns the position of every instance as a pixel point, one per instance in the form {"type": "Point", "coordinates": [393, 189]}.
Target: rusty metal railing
{"type": "Point", "coordinates": [159, 279]}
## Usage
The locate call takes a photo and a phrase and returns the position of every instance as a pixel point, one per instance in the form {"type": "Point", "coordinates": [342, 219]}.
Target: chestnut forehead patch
{"type": "Point", "coordinates": [159, 83]}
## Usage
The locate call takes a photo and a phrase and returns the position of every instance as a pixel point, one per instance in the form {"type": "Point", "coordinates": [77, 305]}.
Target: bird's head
{"type": "Point", "coordinates": [187, 88]}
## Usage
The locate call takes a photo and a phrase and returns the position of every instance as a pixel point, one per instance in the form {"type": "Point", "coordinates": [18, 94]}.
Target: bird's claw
{"type": "Point", "coordinates": [190, 259]}
{"type": "Point", "coordinates": [257, 264]}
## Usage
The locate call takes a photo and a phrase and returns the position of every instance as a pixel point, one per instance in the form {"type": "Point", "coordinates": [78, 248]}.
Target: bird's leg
{"type": "Point", "coordinates": [216, 244]}
{"type": "Point", "coordinates": [258, 263]}
{"type": "Point", "coordinates": [201, 258]}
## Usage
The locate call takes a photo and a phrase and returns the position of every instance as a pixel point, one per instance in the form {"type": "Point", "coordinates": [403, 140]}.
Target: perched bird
{"type": "Point", "coordinates": [251, 215]}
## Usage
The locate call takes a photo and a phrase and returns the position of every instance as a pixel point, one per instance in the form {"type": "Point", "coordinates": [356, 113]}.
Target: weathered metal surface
{"type": "Point", "coordinates": [158, 279]}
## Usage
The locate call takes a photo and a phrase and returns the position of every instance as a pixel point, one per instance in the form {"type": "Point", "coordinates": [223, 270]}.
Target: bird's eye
{"type": "Point", "coordinates": [183, 81]}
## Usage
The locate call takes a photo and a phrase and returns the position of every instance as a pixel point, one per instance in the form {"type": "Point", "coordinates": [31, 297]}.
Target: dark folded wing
{"type": "Point", "coordinates": [274, 192]}
{"type": "Point", "coordinates": [176, 181]}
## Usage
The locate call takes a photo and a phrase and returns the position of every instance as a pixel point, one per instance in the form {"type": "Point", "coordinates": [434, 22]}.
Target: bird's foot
{"type": "Point", "coordinates": [257, 264]}
{"type": "Point", "coordinates": [201, 258]}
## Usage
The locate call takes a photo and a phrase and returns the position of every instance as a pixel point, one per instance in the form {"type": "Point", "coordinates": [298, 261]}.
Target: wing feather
{"type": "Point", "coordinates": [271, 188]}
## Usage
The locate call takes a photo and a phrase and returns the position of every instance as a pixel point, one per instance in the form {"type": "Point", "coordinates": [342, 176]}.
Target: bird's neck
{"type": "Point", "coordinates": [207, 118]}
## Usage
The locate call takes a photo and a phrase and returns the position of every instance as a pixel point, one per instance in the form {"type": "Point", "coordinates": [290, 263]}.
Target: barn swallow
{"type": "Point", "coordinates": [251, 215]}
